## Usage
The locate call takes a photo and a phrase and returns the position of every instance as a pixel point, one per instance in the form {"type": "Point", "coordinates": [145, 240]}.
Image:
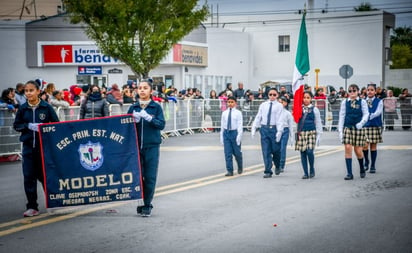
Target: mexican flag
{"type": "Point", "coordinates": [301, 68]}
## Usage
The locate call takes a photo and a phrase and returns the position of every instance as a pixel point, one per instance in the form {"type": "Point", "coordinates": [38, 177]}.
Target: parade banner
{"type": "Point", "coordinates": [90, 161]}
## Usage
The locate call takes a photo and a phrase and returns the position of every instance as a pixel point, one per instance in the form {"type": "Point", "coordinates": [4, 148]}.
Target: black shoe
{"type": "Point", "coordinates": [277, 171]}
{"type": "Point", "coordinates": [348, 177]}
{"type": "Point", "coordinates": [282, 170]}
{"type": "Point", "coordinates": [362, 175]}
{"type": "Point", "coordinates": [373, 170]}
{"type": "Point", "coordinates": [146, 211]}
{"type": "Point", "coordinates": [305, 177]}
{"type": "Point", "coordinates": [139, 209]}
{"type": "Point", "coordinates": [366, 166]}
{"type": "Point", "coordinates": [229, 174]}
{"type": "Point", "coordinates": [239, 171]}
{"type": "Point", "coordinates": [267, 175]}
{"type": "Point", "coordinates": [312, 175]}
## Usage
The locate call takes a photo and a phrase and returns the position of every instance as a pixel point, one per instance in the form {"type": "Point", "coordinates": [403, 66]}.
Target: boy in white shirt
{"type": "Point", "coordinates": [231, 131]}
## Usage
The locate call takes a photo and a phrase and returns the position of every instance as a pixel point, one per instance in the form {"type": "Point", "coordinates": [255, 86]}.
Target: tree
{"type": "Point", "coordinates": [401, 46]}
{"type": "Point", "coordinates": [401, 56]}
{"type": "Point", "coordinates": [402, 36]}
{"type": "Point", "coordinates": [365, 7]}
{"type": "Point", "coordinates": [139, 33]}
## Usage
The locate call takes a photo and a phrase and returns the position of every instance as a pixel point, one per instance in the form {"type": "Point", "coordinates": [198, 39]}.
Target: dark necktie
{"type": "Point", "coordinates": [269, 114]}
{"type": "Point", "coordinates": [229, 120]}
{"type": "Point", "coordinates": [370, 102]}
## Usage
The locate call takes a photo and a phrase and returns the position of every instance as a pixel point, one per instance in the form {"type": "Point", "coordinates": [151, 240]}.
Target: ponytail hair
{"type": "Point", "coordinates": [36, 84]}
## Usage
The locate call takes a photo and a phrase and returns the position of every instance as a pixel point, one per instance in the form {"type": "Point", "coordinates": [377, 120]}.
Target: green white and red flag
{"type": "Point", "coordinates": [301, 68]}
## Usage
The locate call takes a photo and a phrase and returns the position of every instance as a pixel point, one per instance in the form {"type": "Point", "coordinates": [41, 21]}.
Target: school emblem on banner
{"type": "Point", "coordinates": [91, 161]}
{"type": "Point", "coordinates": [91, 156]}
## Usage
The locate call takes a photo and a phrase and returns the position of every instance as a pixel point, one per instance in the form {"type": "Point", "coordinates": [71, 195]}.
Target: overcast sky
{"type": "Point", "coordinates": [401, 8]}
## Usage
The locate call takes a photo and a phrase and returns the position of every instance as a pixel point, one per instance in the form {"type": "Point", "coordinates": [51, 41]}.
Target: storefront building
{"type": "Point", "coordinates": [56, 51]}
{"type": "Point", "coordinates": [252, 50]}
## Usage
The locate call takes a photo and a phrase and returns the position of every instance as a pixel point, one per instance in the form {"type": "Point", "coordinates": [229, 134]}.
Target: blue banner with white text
{"type": "Point", "coordinates": [90, 161]}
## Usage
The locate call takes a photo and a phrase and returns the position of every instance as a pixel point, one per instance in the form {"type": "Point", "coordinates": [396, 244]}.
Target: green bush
{"type": "Point", "coordinates": [396, 90]}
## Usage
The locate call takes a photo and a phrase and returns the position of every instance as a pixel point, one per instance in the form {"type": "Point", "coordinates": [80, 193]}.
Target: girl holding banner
{"type": "Point", "coordinates": [32, 113]}
{"type": "Point", "coordinates": [149, 119]}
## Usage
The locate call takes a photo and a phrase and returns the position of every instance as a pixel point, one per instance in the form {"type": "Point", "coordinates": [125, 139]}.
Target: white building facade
{"type": "Point", "coordinates": [248, 49]}
{"type": "Point", "coordinates": [358, 39]}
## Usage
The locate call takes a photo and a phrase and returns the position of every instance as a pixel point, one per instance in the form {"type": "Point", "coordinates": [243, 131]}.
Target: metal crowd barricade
{"type": "Point", "coordinates": [9, 138]}
{"type": "Point", "coordinates": [116, 109]}
{"type": "Point", "coordinates": [204, 115]}
{"type": "Point", "coordinates": [182, 117]}
{"type": "Point", "coordinates": [169, 111]}
{"type": "Point", "coordinates": [72, 113]}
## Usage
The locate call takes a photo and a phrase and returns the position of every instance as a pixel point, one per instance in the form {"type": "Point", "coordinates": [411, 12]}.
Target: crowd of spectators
{"type": "Point", "coordinates": [326, 99]}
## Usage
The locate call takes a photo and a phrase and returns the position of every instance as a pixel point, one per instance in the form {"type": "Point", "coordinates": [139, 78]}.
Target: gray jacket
{"type": "Point", "coordinates": [94, 109]}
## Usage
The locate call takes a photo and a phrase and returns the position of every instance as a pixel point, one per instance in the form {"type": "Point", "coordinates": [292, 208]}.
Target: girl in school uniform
{"type": "Point", "coordinates": [373, 127]}
{"type": "Point", "coordinates": [308, 134]}
{"type": "Point", "coordinates": [353, 115]}
{"type": "Point", "coordinates": [32, 113]}
{"type": "Point", "coordinates": [149, 119]}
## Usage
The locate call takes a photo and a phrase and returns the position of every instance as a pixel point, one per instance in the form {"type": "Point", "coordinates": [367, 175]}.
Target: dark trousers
{"type": "Point", "coordinates": [283, 147]}
{"type": "Point", "coordinates": [335, 119]}
{"type": "Point", "coordinates": [149, 162]}
{"type": "Point", "coordinates": [406, 115]}
{"type": "Point", "coordinates": [32, 171]}
{"type": "Point", "coordinates": [270, 148]}
{"type": "Point", "coordinates": [305, 158]}
{"type": "Point", "coordinates": [232, 149]}
{"type": "Point", "coordinates": [390, 119]}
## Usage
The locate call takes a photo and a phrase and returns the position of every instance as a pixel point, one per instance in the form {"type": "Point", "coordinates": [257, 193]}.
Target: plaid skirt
{"type": "Point", "coordinates": [373, 134]}
{"type": "Point", "coordinates": [305, 140]}
{"type": "Point", "coordinates": [354, 137]}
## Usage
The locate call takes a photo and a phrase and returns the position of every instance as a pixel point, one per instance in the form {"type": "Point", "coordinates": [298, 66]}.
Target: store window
{"type": "Point", "coordinates": [208, 86]}
{"type": "Point", "coordinates": [169, 80]}
{"type": "Point", "coordinates": [188, 81]}
{"type": "Point", "coordinates": [100, 80]}
{"type": "Point", "coordinates": [198, 84]}
{"type": "Point", "coordinates": [284, 43]}
{"type": "Point", "coordinates": [220, 86]}
{"type": "Point", "coordinates": [228, 79]}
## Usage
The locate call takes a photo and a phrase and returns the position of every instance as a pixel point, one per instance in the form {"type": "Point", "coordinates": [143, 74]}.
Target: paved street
{"type": "Point", "coordinates": [197, 209]}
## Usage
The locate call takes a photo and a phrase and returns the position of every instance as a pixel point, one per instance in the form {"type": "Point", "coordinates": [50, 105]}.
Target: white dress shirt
{"type": "Point", "coordinates": [287, 121]}
{"type": "Point", "coordinates": [236, 123]}
{"type": "Point", "coordinates": [275, 118]}
{"type": "Point", "coordinates": [378, 111]}
{"type": "Point", "coordinates": [237, 120]}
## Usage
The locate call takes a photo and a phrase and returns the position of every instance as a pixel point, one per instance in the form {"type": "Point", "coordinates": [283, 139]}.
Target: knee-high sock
{"type": "Point", "coordinates": [362, 169]}
{"type": "Point", "coordinates": [365, 155]}
{"type": "Point", "coordinates": [374, 154]}
{"type": "Point", "coordinates": [349, 166]}
{"type": "Point", "coordinates": [311, 158]}
{"type": "Point", "coordinates": [303, 159]}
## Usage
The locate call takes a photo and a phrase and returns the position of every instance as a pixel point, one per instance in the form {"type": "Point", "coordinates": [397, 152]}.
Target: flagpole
{"type": "Point", "coordinates": [300, 69]}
